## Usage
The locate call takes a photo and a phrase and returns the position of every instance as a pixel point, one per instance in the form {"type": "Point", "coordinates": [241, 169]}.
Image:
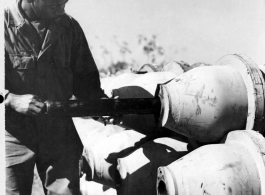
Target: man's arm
{"type": "Point", "coordinates": [86, 82]}
{"type": "Point", "coordinates": [27, 104]}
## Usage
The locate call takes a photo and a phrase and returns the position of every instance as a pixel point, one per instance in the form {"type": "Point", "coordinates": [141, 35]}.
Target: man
{"type": "Point", "coordinates": [47, 58]}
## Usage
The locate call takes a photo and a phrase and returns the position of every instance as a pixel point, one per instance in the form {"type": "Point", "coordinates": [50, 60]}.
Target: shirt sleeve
{"type": "Point", "coordinates": [86, 82]}
{"type": "Point", "coordinates": [7, 72]}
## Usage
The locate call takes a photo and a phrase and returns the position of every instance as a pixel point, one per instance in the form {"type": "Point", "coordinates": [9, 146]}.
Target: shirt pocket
{"type": "Point", "coordinates": [24, 72]}
{"type": "Point", "coordinates": [22, 62]}
{"type": "Point", "coordinates": [60, 79]}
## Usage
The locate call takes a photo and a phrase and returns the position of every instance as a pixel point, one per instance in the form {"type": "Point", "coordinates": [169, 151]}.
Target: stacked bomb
{"type": "Point", "coordinates": [103, 145]}
{"type": "Point", "coordinates": [235, 167]}
{"type": "Point", "coordinates": [204, 105]}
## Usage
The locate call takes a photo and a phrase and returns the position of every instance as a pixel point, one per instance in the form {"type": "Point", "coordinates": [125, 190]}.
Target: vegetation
{"type": "Point", "coordinates": [150, 50]}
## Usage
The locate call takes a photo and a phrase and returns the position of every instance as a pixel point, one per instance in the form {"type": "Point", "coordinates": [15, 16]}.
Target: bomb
{"type": "Point", "coordinates": [235, 167]}
{"type": "Point", "coordinates": [102, 156]}
{"type": "Point", "coordinates": [203, 104]}
{"type": "Point", "coordinates": [207, 102]}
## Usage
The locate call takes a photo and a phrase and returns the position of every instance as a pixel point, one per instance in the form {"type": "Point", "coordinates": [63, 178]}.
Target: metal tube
{"type": "Point", "coordinates": [103, 107]}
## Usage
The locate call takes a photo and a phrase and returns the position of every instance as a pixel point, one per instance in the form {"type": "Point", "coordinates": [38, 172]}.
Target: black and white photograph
{"type": "Point", "coordinates": [132, 97]}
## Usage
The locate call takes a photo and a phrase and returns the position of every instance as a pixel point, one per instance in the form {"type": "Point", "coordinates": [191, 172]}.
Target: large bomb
{"type": "Point", "coordinates": [207, 102]}
{"type": "Point", "coordinates": [235, 167]}
{"type": "Point", "coordinates": [203, 104]}
{"type": "Point", "coordinates": [102, 156]}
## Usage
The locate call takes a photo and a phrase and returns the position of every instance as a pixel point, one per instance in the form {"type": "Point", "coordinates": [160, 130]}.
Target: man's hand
{"type": "Point", "coordinates": [25, 104]}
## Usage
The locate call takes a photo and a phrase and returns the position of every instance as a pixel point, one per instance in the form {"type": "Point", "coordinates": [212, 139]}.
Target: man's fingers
{"type": "Point", "coordinates": [35, 110]}
{"type": "Point", "coordinates": [37, 102]}
{"type": "Point", "coordinates": [40, 105]}
{"type": "Point", "coordinates": [31, 113]}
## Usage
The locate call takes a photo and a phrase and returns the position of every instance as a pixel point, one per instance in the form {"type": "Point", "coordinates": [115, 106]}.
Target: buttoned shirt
{"type": "Point", "coordinates": [63, 66]}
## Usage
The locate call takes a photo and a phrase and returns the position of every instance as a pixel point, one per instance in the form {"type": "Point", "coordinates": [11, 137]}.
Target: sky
{"type": "Point", "coordinates": [188, 30]}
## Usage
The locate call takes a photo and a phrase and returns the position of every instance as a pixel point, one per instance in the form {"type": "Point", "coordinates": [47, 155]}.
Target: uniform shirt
{"type": "Point", "coordinates": [41, 29]}
{"type": "Point", "coordinates": [57, 69]}
{"type": "Point", "coordinates": [63, 66]}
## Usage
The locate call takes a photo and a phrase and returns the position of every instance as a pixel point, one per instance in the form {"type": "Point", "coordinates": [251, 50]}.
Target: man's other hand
{"type": "Point", "coordinates": [25, 104]}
